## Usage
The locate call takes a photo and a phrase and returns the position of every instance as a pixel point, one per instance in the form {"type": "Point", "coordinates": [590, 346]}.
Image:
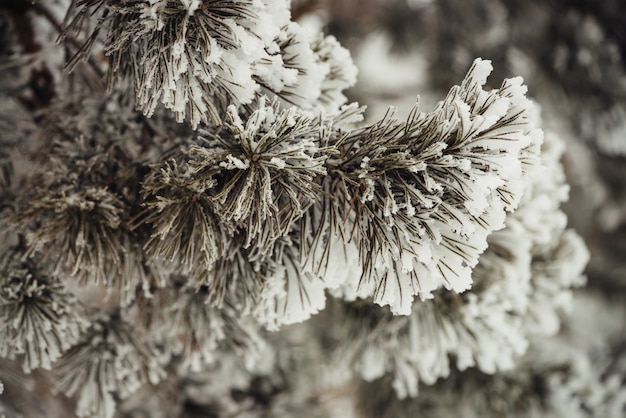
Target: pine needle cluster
{"type": "Point", "coordinates": [162, 230]}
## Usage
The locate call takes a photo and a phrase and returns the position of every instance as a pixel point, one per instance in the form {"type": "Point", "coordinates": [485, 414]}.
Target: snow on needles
{"type": "Point", "coordinates": [197, 58]}
{"type": "Point", "coordinates": [434, 187]}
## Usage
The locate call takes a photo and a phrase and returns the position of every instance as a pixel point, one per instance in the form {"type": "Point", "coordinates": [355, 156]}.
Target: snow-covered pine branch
{"type": "Point", "coordinates": [85, 194]}
{"type": "Point", "coordinates": [418, 198]}
{"type": "Point", "coordinates": [221, 188]}
{"type": "Point", "coordinates": [40, 318]}
{"type": "Point", "coordinates": [533, 260]}
{"type": "Point", "coordinates": [197, 58]}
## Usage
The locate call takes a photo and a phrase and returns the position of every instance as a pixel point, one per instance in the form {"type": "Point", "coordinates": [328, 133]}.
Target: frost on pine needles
{"type": "Point", "coordinates": [491, 326]}
{"type": "Point", "coordinates": [199, 57]}
{"type": "Point", "coordinates": [421, 197]}
{"type": "Point", "coordinates": [193, 56]}
{"type": "Point", "coordinates": [40, 318]}
{"type": "Point", "coordinates": [267, 164]}
{"type": "Point", "coordinates": [169, 231]}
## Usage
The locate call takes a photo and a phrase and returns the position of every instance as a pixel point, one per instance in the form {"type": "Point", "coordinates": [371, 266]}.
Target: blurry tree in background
{"type": "Point", "coordinates": [197, 219]}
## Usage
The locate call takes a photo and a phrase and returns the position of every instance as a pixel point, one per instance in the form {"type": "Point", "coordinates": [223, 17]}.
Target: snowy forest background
{"type": "Point", "coordinates": [557, 350]}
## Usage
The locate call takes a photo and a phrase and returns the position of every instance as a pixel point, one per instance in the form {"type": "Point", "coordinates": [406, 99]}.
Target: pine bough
{"type": "Point", "coordinates": [235, 191]}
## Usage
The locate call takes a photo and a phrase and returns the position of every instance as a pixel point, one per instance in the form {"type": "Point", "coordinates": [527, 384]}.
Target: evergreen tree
{"type": "Point", "coordinates": [196, 221]}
